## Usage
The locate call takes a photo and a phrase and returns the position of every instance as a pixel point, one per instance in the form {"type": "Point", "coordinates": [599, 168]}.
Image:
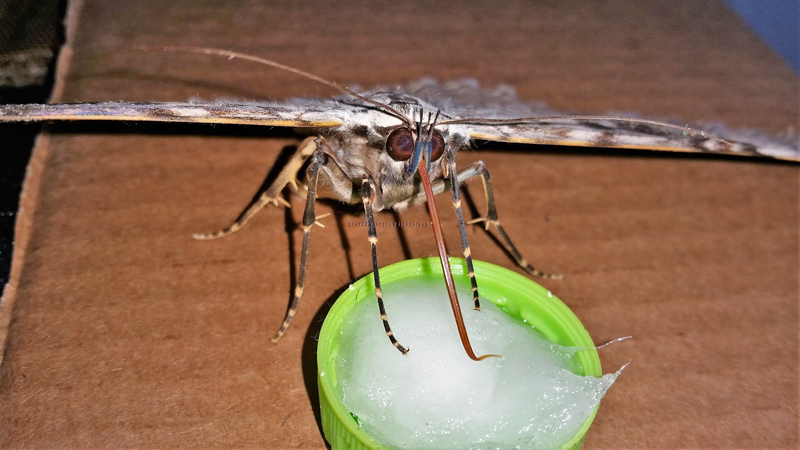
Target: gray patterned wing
{"type": "Point", "coordinates": [495, 113]}
{"type": "Point", "coordinates": [614, 132]}
{"type": "Point", "coordinates": [308, 113]}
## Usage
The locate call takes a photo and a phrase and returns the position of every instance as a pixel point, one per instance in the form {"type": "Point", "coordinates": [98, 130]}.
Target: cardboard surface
{"type": "Point", "coordinates": [127, 333]}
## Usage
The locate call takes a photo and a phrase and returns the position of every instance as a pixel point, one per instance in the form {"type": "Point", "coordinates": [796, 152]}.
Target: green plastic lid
{"type": "Point", "coordinates": [515, 294]}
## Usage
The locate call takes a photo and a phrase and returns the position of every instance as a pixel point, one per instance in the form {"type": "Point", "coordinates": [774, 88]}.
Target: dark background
{"type": "Point", "coordinates": [30, 34]}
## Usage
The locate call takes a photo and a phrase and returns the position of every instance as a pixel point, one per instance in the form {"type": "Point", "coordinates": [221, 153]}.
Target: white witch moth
{"type": "Point", "coordinates": [393, 148]}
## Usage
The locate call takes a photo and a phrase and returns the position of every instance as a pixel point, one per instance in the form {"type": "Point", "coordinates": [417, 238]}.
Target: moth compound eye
{"type": "Point", "coordinates": [437, 145]}
{"type": "Point", "coordinates": [400, 144]}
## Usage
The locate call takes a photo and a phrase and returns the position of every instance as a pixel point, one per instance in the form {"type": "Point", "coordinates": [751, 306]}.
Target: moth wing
{"type": "Point", "coordinates": [467, 99]}
{"type": "Point", "coordinates": [640, 136]}
{"type": "Point", "coordinates": [305, 113]}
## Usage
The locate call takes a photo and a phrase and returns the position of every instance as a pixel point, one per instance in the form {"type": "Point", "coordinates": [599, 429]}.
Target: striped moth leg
{"type": "Point", "coordinates": [462, 228]}
{"type": "Point", "coordinates": [318, 158]}
{"type": "Point", "coordinates": [367, 198]}
{"type": "Point", "coordinates": [479, 168]}
{"type": "Point", "coordinates": [272, 195]}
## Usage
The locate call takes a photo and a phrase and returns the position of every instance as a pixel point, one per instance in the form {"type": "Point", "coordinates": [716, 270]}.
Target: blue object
{"type": "Point", "coordinates": [777, 22]}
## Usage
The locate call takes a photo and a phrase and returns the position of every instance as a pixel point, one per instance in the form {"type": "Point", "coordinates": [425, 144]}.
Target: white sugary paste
{"type": "Point", "coordinates": [435, 397]}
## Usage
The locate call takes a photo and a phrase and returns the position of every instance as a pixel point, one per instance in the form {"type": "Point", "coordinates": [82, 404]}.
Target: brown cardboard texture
{"type": "Point", "coordinates": [125, 332]}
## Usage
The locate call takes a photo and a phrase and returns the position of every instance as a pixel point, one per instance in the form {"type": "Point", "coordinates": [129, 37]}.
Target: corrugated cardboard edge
{"type": "Point", "coordinates": [29, 198]}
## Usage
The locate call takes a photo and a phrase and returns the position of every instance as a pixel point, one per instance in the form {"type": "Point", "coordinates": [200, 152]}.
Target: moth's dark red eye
{"type": "Point", "coordinates": [437, 145]}
{"type": "Point", "coordinates": [400, 144]}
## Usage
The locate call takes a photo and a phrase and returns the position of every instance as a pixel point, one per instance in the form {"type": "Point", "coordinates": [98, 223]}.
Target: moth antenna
{"type": "Point", "coordinates": [435, 119]}
{"type": "Point", "coordinates": [692, 131]}
{"type": "Point", "coordinates": [419, 124]}
{"type": "Point", "coordinates": [231, 55]}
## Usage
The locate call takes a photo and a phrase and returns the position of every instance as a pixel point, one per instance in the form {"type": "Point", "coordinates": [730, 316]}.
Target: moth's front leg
{"type": "Point", "coordinates": [287, 176]}
{"type": "Point", "coordinates": [367, 199]}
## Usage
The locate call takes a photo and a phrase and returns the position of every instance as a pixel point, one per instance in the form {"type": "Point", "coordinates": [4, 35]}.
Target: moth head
{"type": "Point", "coordinates": [403, 145]}
{"type": "Point", "coordinates": [412, 145]}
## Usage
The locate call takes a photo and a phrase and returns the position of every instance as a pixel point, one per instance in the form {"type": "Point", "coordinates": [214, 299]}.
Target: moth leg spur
{"type": "Point", "coordinates": [318, 158]}
{"type": "Point", "coordinates": [366, 198]}
{"type": "Point", "coordinates": [287, 176]}
{"type": "Point", "coordinates": [462, 228]}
